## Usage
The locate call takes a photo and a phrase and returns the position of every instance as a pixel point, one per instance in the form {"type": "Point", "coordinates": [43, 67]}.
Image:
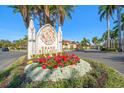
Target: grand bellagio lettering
{"type": "Point", "coordinates": [46, 40]}
{"type": "Point", "coordinates": [45, 49]}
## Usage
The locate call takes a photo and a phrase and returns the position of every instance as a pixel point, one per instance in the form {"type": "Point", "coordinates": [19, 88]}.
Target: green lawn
{"type": "Point", "coordinates": [100, 76]}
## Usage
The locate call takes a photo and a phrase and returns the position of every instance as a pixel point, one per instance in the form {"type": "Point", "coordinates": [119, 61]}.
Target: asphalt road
{"type": "Point", "coordinates": [7, 58]}
{"type": "Point", "coordinates": [114, 60]}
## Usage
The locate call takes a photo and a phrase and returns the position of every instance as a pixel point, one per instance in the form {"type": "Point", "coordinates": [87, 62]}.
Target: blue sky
{"type": "Point", "coordinates": [85, 23]}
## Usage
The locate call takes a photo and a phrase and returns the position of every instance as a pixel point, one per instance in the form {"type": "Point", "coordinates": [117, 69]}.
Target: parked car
{"type": "Point", "coordinates": [5, 49]}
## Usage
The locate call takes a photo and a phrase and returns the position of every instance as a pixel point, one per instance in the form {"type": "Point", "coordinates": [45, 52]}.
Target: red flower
{"type": "Point", "coordinates": [43, 66]}
{"type": "Point", "coordinates": [57, 59]}
{"type": "Point", "coordinates": [55, 66]}
{"type": "Point", "coordinates": [48, 57]}
{"type": "Point", "coordinates": [61, 64]}
{"type": "Point", "coordinates": [73, 55]}
{"type": "Point", "coordinates": [77, 58]}
{"type": "Point", "coordinates": [40, 60]}
{"type": "Point", "coordinates": [65, 59]}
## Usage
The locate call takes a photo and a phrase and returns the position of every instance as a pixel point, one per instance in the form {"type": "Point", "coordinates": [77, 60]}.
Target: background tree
{"type": "Point", "coordinates": [118, 32]}
{"type": "Point", "coordinates": [85, 42]}
{"type": "Point", "coordinates": [95, 40]}
{"type": "Point", "coordinates": [113, 35]}
{"type": "Point", "coordinates": [106, 11]}
{"type": "Point", "coordinates": [5, 43]}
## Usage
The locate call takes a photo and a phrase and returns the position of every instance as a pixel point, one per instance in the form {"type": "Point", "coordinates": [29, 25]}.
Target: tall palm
{"type": "Point", "coordinates": [106, 11]}
{"type": "Point", "coordinates": [28, 11]}
{"type": "Point", "coordinates": [119, 27]}
{"type": "Point", "coordinates": [116, 23]}
{"type": "Point", "coordinates": [64, 11]}
{"type": "Point", "coordinates": [45, 13]}
{"type": "Point", "coordinates": [42, 13]}
{"type": "Point", "coordinates": [25, 11]}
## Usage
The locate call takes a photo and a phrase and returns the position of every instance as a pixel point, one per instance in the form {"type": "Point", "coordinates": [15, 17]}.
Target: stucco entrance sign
{"type": "Point", "coordinates": [46, 40]}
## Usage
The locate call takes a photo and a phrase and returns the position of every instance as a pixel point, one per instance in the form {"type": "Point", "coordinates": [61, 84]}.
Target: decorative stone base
{"type": "Point", "coordinates": [72, 71]}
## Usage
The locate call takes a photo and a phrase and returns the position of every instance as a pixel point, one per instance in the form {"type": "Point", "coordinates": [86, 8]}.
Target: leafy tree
{"type": "Point", "coordinates": [5, 43]}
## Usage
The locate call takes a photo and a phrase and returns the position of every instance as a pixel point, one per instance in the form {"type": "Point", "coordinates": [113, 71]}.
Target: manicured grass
{"type": "Point", "coordinates": [114, 78]}
{"type": "Point", "coordinates": [8, 75]}
{"type": "Point", "coordinates": [100, 76]}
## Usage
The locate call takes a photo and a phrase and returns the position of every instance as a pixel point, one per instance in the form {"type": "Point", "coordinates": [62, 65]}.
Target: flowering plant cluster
{"type": "Point", "coordinates": [52, 61]}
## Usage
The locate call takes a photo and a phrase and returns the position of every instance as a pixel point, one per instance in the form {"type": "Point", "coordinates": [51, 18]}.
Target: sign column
{"type": "Point", "coordinates": [59, 39]}
{"type": "Point", "coordinates": [31, 39]}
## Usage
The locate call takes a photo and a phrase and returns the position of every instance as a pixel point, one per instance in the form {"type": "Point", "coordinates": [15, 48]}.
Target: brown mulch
{"type": "Point", "coordinates": [101, 80]}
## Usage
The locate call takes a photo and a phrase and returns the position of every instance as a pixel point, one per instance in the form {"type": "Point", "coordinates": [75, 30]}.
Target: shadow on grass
{"type": "Point", "coordinates": [18, 81]}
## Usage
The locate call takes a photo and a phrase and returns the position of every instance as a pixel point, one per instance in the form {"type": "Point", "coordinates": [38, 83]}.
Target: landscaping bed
{"type": "Point", "coordinates": [56, 67]}
{"type": "Point", "coordinates": [101, 76]}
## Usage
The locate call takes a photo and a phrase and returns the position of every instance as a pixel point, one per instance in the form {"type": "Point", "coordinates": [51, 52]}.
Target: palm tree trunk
{"type": "Point", "coordinates": [59, 22]}
{"type": "Point", "coordinates": [122, 37]}
{"type": "Point", "coordinates": [108, 32]}
{"type": "Point", "coordinates": [119, 28]}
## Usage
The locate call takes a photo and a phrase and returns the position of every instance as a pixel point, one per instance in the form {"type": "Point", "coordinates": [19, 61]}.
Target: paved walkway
{"type": "Point", "coordinates": [115, 60]}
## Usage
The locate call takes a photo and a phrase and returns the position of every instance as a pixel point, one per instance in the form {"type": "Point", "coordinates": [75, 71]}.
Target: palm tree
{"type": "Point", "coordinates": [28, 11]}
{"type": "Point", "coordinates": [95, 40]}
{"type": "Point", "coordinates": [64, 11]}
{"type": "Point", "coordinates": [85, 42]}
{"type": "Point", "coordinates": [25, 11]}
{"type": "Point", "coordinates": [106, 11]}
{"type": "Point", "coordinates": [113, 35]}
{"type": "Point", "coordinates": [42, 13]}
{"type": "Point", "coordinates": [122, 23]}
{"type": "Point", "coordinates": [45, 13]}
{"type": "Point", "coordinates": [119, 27]}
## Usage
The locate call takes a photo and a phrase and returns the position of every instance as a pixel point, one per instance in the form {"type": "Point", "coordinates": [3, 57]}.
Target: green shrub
{"type": "Point", "coordinates": [114, 79]}
{"type": "Point", "coordinates": [89, 82]}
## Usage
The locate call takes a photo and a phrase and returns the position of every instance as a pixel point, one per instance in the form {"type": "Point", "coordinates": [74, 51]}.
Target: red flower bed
{"type": "Point", "coordinates": [55, 60]}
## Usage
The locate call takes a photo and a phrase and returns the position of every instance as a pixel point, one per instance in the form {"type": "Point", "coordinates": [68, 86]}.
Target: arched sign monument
{"type": "Point", "coordinates": [45, 41]}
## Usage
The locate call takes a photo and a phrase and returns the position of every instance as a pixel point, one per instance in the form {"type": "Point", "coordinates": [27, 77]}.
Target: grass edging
{"type": "Point", "coordinates": [7, 74]}
{"type": "Point", "coordinates": [115, 79]}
